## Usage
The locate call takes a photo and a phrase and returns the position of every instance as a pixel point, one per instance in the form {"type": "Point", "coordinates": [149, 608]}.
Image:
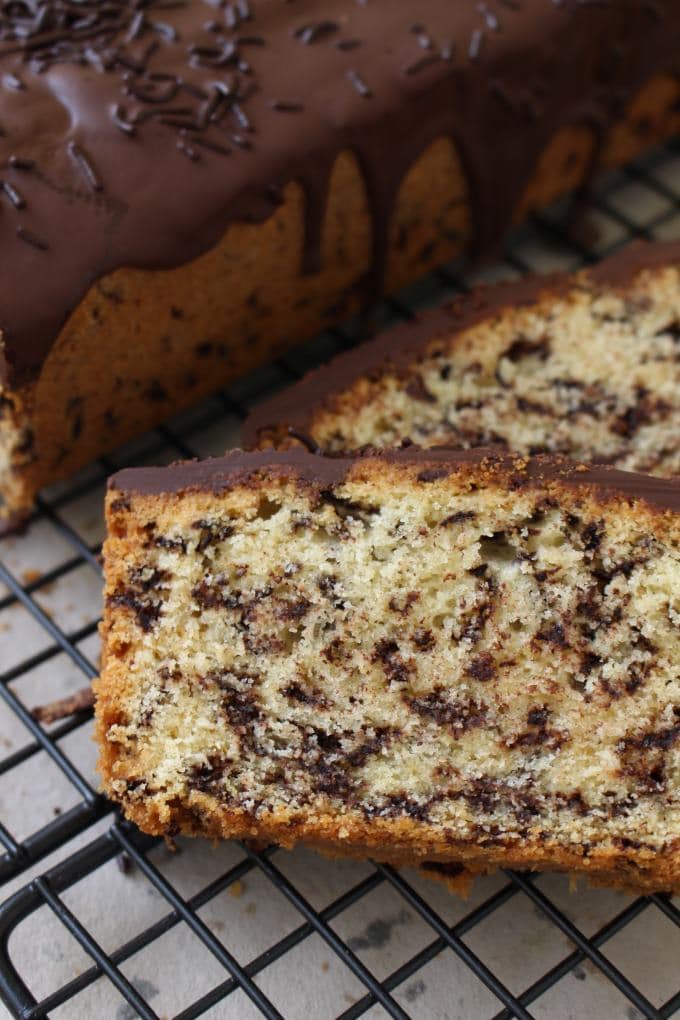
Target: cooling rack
{"type": "Point", "coordinates": [97, 920]}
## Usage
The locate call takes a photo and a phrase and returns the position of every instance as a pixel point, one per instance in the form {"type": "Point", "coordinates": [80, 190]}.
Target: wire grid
{"type": "Point", "coordinates": [642, 200]}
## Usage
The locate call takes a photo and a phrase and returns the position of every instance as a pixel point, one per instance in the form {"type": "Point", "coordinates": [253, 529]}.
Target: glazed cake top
{"type": "Point", "coordinates": [134, 131]}
{"type": "Point", "coordinates": [217, 474]}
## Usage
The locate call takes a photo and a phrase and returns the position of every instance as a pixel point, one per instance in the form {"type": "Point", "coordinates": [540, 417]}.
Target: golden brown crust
{"type": "Point", "coordinates": [143, 344]}
{"type": "Point", "coordinates": [404, 843]}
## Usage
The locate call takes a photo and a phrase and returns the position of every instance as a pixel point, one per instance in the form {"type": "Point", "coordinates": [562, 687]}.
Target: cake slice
{"type": "Point", "coordinates": [586, 365]}
{"type": "Point", "coordinates": [462, 659]}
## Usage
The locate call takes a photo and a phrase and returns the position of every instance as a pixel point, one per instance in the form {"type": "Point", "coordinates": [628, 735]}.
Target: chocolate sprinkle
{"type": "Point", "coordinates": [359, 84]}
{"type": "Point", "coordinates": [19, 163]}
{"type": "Point", "coordinates": [187, 150]}
{"type": "Point", "coordinates": [30, 238]}
{"type": "Point", "coordinates": [475, 44]}
{"type": "Point", "coordinates": [13, 195]}
{"type": "Point", "coordinates": [420, 65]}
{"type": "Point", "coordinates": [310, 33]}
{"type": "Point", "coordinates": [85, 166]}
{"type": "Point", "coordinates": [12, 81]}
{"type": "Point", "coordinates": [207, 143]}
{"type": "Point", "coordinates": [491, 20]}
{"type": "Point", "coordinates": [283, 107]}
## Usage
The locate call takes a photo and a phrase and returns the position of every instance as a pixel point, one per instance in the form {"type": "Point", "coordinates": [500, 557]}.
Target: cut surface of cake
{"type": "Point", "coordinates": [466, 659]}
{"type": "Point", "coordinates": [190, 190]}
{"type": "Point", "coordinates": [584, 365]}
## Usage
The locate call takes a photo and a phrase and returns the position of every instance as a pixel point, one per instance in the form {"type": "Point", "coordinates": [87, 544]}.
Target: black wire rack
{"type": "Point", "coordinates": [83, 891]}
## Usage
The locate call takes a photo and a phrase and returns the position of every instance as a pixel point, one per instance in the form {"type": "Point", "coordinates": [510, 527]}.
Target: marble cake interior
{"type": "Point", "coordinates": [594, 375]}
{"type": "Point", "coordinates": [495, 663]}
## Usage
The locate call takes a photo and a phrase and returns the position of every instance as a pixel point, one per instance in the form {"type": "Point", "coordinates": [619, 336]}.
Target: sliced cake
{"type": "Point", "coordinates": [585, 365]}
{"type": "Point", "coordinates": [465, 659]}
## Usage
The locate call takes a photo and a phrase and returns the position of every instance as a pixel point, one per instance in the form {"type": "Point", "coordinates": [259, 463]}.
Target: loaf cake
{"type": "Point", "coordinates": [584, 365]}
{"type": "Point", "coordinates": [460, 659]}
{"type": "Point", "coordinates": [188, 189]}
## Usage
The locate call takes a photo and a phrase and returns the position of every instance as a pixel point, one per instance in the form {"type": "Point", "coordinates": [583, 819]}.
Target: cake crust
{"type": "Point", "coordinates": [625, 836]}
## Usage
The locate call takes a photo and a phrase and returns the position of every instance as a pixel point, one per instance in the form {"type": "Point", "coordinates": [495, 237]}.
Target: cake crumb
{"type": "Point", "coordinates": [53, 711]}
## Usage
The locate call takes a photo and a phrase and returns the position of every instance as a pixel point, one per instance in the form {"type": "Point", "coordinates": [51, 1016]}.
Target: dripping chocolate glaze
{"type": "Point", "coordinates": [120, 122]}
{"type": "Point", "coordinates": [397, 349]}
{"type": "Point", "coordinates": [219, 474]}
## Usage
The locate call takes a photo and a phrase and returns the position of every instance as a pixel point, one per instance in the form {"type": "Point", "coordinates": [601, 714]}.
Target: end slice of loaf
{"type": "Point", "coordinates": [463, 659]}
{"type": "Point", "coordinates": [586, 366]}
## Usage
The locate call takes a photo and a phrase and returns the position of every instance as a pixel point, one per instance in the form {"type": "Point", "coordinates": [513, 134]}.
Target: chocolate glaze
{"type": "Point", "coordinates": [397, 349]}
{"type": "Point", "coordinates": [218, 474]}
{"type": "Point", "coordinates": [116, 119]}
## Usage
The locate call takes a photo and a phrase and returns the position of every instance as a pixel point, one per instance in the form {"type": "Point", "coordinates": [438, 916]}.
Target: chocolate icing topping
{"type": "Point", "coordinates": [397, 349]}
{"type": "Point", "coordinates": [134, 131]}
{"type": "Point", "coordinates": [220, 473]}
